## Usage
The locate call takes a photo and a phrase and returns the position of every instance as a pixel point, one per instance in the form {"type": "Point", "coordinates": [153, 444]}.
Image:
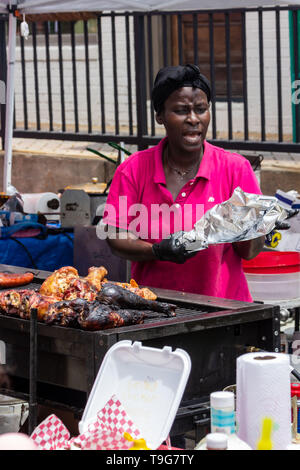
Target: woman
{"type": "Point", "coordinates": [167, 188]}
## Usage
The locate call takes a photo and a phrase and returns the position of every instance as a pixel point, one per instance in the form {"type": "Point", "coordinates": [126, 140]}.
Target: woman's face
{"type": "Point", "coordinates": [186, 117]}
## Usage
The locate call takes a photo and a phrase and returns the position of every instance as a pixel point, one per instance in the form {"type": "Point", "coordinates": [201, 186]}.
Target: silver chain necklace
{"type": "Point", "coordinates": [180, 173]}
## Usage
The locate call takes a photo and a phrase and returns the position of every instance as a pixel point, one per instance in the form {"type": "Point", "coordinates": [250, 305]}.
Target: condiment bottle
{"type": "Point", "coordinates": [216, 441]}
{"type": "Point", "coordinates": [265, 442]}
{"type": "Point", "coordinates": [222, 415]}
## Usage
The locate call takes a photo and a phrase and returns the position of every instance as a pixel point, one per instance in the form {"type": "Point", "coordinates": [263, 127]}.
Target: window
{"type": "Point", "coordinates": [202, 33]}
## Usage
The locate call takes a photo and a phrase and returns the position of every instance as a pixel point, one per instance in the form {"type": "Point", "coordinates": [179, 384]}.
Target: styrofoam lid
{"type": "Point", "coordinates": [149, 382]}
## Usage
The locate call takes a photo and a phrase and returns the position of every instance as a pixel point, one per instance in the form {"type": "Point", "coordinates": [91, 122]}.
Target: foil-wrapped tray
{"type": "Point", "coordinates": [244, 216]}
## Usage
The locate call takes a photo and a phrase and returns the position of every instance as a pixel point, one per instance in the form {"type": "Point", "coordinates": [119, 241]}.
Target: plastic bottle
{"type": "Point", "coordinates": [222, 412]}
{"type": "Point", "coordinates": [216, 441]}
{"type": "Point", "coordinates": [234, 443]}
{"type": "Point", "coordinates": [222, 406]}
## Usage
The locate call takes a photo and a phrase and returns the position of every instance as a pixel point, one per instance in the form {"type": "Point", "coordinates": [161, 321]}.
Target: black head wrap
{"type": "Point", "coordinates": [171, 78]}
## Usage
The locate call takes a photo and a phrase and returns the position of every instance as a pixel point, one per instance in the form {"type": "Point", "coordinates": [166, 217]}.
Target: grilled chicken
{"type": "Point", "coordinates": [66, 312]}
{"type": "Point", "coordinates": [80, 289]}
{"type": "Point", "coordinates": [91, 303]}
{"type": "Point", "coordinates": [141, 291]}
{"type": "Point", "coordinates": [101, 317]}
{"type": "Point", "coordinates": [66, 284]}
{"type": "Point", "coordinates": [41, 302]}
{"type": "Point", "coordinates": [117, 295]}
{"type": "Point", "coordinates": [20, 303]}
{"type": "Point", "coordinates": [96, 275]}
{"type": "Point", "coordinates": [10, 300]}
{"type": "Point", "coordinates": [91, 316]}
{"type": "Point", "coordinates": [59, 281]}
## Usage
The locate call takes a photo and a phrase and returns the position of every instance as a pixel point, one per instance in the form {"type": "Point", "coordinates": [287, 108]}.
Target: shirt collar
{"type": "Point", "coordinates": [204, 170]}
{"type": "Point", "coordinates": [159, 174]}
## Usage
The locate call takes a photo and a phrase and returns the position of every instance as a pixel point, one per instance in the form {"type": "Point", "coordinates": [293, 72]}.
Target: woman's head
{"type": "Point", "coordinates": [172, 78]}
{"type": "Point", "coordinates": [181, 97]}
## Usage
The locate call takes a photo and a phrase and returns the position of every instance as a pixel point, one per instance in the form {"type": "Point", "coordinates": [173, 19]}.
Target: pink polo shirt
{"type": "Point", "coordinates": [140, 202]}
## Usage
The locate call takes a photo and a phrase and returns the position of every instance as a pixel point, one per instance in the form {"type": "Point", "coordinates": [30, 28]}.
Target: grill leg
{"type": "Point", "coordinates": [33, 371]}
{"type": "Point", "coordinates": [202, 427]}
{"type": "Point", "coordinates": [297, 314]}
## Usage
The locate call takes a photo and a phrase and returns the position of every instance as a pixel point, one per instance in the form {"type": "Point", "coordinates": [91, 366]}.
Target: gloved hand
{"type": "Point", "coordinates": [281, 225]}
{"type": "Point", "coordinates": [292, 212]}
{"type": "Point", "coordinates": [172, 249]}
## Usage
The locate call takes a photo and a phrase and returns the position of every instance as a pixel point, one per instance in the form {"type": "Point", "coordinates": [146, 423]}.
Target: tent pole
{"type": "Point", "coordinates": [12, 26]}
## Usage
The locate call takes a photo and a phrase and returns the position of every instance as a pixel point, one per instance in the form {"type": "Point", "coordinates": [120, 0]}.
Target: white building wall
{"type": "Point", "coordinates": [270, 77]}
{"type": "Point", "coordinates": [270, 83]}
{"type": "Point", "coordinates": [81, 81]}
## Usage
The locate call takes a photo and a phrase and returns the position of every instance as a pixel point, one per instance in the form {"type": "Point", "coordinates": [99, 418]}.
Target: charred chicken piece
{"type": "Point", "coordinates": [117, 295]}
{"type": "Point", "coordinates": [141, 291]}
{"type": "Point", "coordinates": [41, 302]}
{"type": "Point", "coordinates": [66, 312]}
{"type": "Point", "coordinates": [101, 317]}
{"type": "Point", "coordinates": [20, 302]}
{"type": "Point", "coordinates": [91, 316]}
{"type": "Point", "coordinates": [10, 300]}
{"type": "Point", "coordinates": [59, 281]}
{"type": "Point", "coordinates": [96, 275]}
{"type": "Point", "coordinates": [80, 289]}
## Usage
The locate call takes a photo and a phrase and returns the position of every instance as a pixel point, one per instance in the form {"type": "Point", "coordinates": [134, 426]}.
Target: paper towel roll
{"type": "Point", "coordinates": [263, 390]}
{"type": "Point", "coordinates": [39, 202]}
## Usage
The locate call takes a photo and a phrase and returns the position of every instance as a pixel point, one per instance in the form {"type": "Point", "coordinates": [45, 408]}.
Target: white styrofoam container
{"type": "Point", "coordinates": [149, 383]}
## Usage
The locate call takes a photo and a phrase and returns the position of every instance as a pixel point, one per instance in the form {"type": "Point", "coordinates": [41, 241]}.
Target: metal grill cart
{"type": "Point", "coordinates": [57, 365]}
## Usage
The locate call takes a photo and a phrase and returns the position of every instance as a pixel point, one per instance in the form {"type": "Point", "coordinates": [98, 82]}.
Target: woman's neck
{"type": "Point", "coordinates": [182, 160]}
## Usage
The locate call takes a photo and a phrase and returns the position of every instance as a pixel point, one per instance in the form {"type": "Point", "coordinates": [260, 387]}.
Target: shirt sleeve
{"type": "Point", "coordinates": [122, 195]}
{"type": "Point", "coordinates": [246, 179]}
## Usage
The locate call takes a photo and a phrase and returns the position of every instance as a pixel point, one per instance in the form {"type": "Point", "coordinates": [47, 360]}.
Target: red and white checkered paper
{"type": "Point", "coordinates": [105, 433]}
{"type": "Point", "coordinates": [51, 434]}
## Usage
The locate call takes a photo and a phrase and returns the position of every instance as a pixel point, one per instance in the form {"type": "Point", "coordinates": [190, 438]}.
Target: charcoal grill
{"type": "Point", "coordinates": [64, 362]}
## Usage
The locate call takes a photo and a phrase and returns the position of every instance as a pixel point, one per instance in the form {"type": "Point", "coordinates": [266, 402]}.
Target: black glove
{"type": "Point", "coordinates": [282, 225]}
{"type": "Point", "coordinates": [172, 249]}
{"type": "Point", "coordinates": [292, 212]}
{"type": "Point", "coordinates": [278, 226]}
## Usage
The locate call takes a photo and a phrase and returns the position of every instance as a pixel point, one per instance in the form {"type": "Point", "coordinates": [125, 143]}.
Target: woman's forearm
{"type": "Point", "coordinates": [131, 248]}
{"type": "Point", "coordinates": [250, 248]}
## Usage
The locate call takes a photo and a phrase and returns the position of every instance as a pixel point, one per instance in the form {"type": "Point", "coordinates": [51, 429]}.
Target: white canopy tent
{"type": "Point", "coordinates": [51, 6]}
{"type": "Point", "coordinates": [56, 6]}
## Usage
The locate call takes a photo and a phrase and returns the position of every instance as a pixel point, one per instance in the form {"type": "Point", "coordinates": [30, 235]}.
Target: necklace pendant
{"type": "Point", "coordinates": [178, 172]}
{"type": "Point", "coordinates": [181, 174]}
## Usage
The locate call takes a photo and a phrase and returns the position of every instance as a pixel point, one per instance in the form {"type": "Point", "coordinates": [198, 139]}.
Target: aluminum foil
{"type": "Point", "coordinates": [243, 217]}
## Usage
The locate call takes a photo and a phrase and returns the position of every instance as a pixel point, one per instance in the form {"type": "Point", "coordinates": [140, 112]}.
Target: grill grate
{"type": "Point", "coordinates": [31, 286]}
{"type": "Point", "coordinates": [180, 312]}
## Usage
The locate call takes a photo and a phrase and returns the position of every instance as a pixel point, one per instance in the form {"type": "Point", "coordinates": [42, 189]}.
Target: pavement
{"type": "Point", "coordinates": [75, 148]}
{"type": "Point", "coordinates": [62, 147]}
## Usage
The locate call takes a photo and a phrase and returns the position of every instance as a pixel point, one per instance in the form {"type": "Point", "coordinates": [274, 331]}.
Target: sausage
{"type": "Point", "coordinates": [14, 279]}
